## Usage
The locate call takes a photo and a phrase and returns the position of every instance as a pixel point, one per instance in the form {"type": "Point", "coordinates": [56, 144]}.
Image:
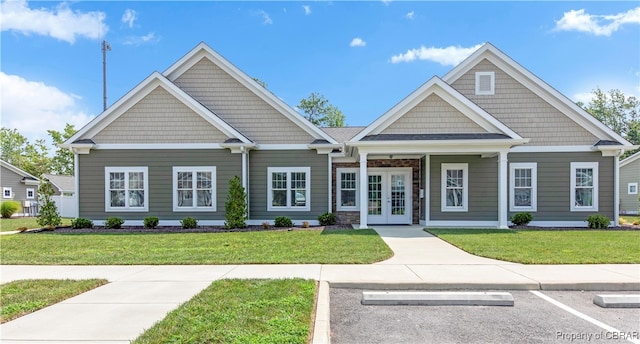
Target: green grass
{"type": "Point", "coordinates": [343, 246]}
{"type": "Point", "coordinates": [22, 297]}
{"type": "Point", "coordinates": [14, 223]}
{"type": "Point", "coordinates": [547, 246]}
{"type": "Point", "coordinates": [241, 311]}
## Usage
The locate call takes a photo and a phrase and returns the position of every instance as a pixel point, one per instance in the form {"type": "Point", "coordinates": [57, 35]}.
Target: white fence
{"type": "Point", "coordinates": [66, 205]}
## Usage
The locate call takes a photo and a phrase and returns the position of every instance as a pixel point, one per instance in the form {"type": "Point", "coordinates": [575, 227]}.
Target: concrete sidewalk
{"type": "Point", "coordinates": [138, 296]}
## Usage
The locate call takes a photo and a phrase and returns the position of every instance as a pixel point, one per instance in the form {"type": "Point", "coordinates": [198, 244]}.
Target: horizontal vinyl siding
{"type": "Point", "coordinates": [160, 164]}
{"type": "Point", "coordinates": [554, 184]}
{"type": "Point", "coordinates": [12, 180]}
{"type": "Point", "coordinates": [259, 161]}
{"type": "Point", "coordinates": [483, 189]}
{"type": "Point", "coordinates": [630, 173]}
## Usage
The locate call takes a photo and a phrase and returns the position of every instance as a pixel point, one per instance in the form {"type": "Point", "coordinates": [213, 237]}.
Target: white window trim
{"type": "Point", "coordinates": [194, 169]}
{"type": "Point", "coordinates": [491, 92]}
{"type": "Point", "coordinates": [4, 191]}
{"type": "Point", "coordinates": [534, 185]}
{"type": "Point", "coordinates": [574, 166]}
{"type": "Point", "coordinates": [126, 170]}
{"type": "Point", "coordinates": [33, 193]}
{"type": "Point", "coordinates": [288, 170]}
{"type": "Point", "coordinates": [465, 187]}
{"type": "Point", "coordinates": [629, 186]}
{"type": "Point", "coordinates": [339, 172]}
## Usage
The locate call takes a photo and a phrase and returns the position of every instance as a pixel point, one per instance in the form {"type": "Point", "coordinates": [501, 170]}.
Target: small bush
{"type": "Point", "coordinates": [22, 229]}
{"type": "Point", "coordinates": [636, 223]}
{"type": "Point", "coordinates": [48, 216]}
{"type": "Point", "coordinates": [79, 223]}
{"type": "Point", "coordinates": [113, 222]}
{"type": "Point", "coordinates": [305, 224]}
{"type": "Point", "coordinates": [283, 221]}
{"type": "Point", "coordinates": [521, 219]}
{"type": "Point", "coordinates": [150, 222]}
{"type": "Point", "coordinates": [8, 208]}
{"type": "Point", "coordinates": [598, 221]}
{"type": "Point", "coordinates": [236, 205]}
{"type": "Point", "coordinates": [266, 225]}
{"type": "Point", "coordinates": [189, 223]}
{"type": "Point", "coordinates": [327, 219]}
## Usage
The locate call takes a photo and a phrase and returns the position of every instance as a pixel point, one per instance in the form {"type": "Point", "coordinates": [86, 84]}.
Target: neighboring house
{"type": "Point", "coordinates": [629, 180]}
{"type": "Point", "coordinates": [487, 140]}
{"type": "Point", "coordinates": [18, 185]}
{"type": "Point", "coordinates": [64, 196]}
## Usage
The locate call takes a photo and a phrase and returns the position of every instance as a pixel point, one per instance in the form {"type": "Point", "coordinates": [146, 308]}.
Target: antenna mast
{"type": "Point", "coordinates": [105, 47]}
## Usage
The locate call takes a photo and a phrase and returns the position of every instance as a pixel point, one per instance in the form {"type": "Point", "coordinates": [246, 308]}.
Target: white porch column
{"type": "Point", "coordinates": [76, 174]}
{"type": "Point", "coordinates": [364, 185]}
{"type": "Point", "coordinates": [427, 189]}
{"type": "Point", "coordinates": [502, 191]}
{"type": "Point", "coordinates": [616, 189]}
{"type": "Point", "coordinates": [245, 173]}
{"type": "Point", "coordinates": [330, 178]}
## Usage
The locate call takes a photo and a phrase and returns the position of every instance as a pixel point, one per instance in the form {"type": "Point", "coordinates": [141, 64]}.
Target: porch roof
{"type": "Point", "coordinates": [430, 137]}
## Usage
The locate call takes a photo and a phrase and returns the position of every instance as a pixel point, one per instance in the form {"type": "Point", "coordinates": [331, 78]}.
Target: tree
{"type": "Point", "coordinates": [19, 152]}
{"type": "Point", "coordinates": [618, 112]}
{"type": "Point", "coordinates": [62, 161]}
{"type": "Point", "coordinates": [320, 112]}
{"type": "Point", "coordinates": [48, 216]}
{"type": "Point", "coordinates": [236, 205]}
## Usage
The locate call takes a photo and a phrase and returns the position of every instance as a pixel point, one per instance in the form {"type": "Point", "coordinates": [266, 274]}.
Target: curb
{"type": "Point", "coordinates": [579, 286]}
{"type": "Point", "coordinates": [322, 328]}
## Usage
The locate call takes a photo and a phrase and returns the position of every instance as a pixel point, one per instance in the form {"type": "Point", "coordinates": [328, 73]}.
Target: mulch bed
{"type": "Point", "coordinates": [177, 229]}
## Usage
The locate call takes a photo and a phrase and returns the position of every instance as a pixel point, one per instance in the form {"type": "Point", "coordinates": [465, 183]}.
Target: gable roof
{"type": "Point", "coordinates": [437, 86]}
{"type": "Point", "coordinates": [535, 85]}
{"type": "Point", "coordinates": [62, 183]}
{"type": "Point", "coordinates": [18, 171]}
{"type": "Point", "coordinates": [630, 159]}
{"type": "Point", "coordinates": [139, 92]}
{"type": "Point", "coordinates": [343, 134]}
{"type": "Point", "coordinates": [202, 50]}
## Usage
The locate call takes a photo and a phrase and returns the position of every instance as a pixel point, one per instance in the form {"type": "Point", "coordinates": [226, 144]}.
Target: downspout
{"type": "Point", "coordinates": [76, 172]}
{"type": "Point", "coordinates": [330, 178]}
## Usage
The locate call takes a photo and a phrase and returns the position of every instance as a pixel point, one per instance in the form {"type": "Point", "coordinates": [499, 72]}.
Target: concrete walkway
{"type": "Point", "coordinates": [139, 296]}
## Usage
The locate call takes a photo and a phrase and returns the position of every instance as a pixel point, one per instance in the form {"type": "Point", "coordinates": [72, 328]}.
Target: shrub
{"type": "Point", "coordinates": [305, 224]}
{"type": "Point", "coordinates": [327, 219]}
{"type": "Point", "coordinates": [48, 217]}
{"type": "Point", "coordinates": [8, 208]}
{"type": "Point", "coordinates": [266, 225]}
{"type": "Point", "coordinates": [188, 223]}
{"type": "Point", "coordinates": [521, 219]}
{"type": "Point", "coordinates": [236, 205]}
{"type": "Point", "coordinates": [150, 222]}
{"type": "Point", "coordinates": [113, 222]}
{"type": "Point", "coordinates": [598, 221]}
{"type": "Point", "coordinates": [81, 223]}
{"type": "Point", "coordinates": [283, 221]}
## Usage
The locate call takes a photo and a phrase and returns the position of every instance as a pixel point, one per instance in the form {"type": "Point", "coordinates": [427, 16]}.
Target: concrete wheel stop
{"type": "Point", "coordinates": [617, 301]}
{"type": "Point", "coordinates": [425, 298]}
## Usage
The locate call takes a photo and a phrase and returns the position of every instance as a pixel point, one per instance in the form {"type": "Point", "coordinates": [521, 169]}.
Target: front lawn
{"type": "Point", "coordinates": [241, 311]}
{"type": "Point", "coordinates": [341, 246]}
{"type": "Point", "coordinates": [22, 297]}
{"type": "Point", "coordinates": [547, 246]}
{"type": "Point", "coordinates": [14, 223]}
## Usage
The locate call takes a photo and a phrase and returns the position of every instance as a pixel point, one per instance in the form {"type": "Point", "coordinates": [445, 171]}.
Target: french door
{"type": "Point", "coordinates": [389, 196]}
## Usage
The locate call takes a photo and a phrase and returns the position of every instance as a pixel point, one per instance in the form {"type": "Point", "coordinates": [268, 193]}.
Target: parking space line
{"type": "Point", "coordinates": [581, 315]}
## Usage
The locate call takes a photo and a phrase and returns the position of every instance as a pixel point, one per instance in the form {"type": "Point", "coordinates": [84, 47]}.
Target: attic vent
{"type": "Point", "coordinates": [485, 83]}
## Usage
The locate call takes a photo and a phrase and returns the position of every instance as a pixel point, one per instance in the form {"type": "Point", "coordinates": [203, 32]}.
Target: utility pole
{"type": "Point", "coordinates": [105, 47]}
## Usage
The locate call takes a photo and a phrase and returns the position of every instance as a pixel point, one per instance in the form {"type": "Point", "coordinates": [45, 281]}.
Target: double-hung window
{"type": "Point", "coordinates": [523, 181]}
{"type": "Point", "coordinates": [455, 187]}
{"type": "Point", "coordinates": [289, 188]}
{"type": "Point", "coordinates": [194, 188]}
{"type": "Point", "coordinates": [584, 186]}
{"type": "Point", "coordinates": [126, 189]}
{"type": "Point", "coordinates": [347, 193]}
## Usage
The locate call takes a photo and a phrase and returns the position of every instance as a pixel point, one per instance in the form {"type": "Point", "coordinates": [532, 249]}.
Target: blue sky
{"type": "Point", "coordinates": [363, 56]}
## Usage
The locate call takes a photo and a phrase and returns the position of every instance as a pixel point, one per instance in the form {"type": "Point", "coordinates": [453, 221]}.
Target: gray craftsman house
{"type": "Point", "coordinates": [485, 141]}
{"type": "Point", "coordinates": [629, 180]}
{"type": "Point", "coordinates": [20, 186]}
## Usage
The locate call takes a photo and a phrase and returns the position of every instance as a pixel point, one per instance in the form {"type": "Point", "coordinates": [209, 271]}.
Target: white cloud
{"type": "Point", "coordinates": [266, 19]}
{"type": "Point", "coordinates": [32, 107]}
{"type": "Point", "coordinates": [599, 25]}
{"type": "Point", "coordinates": [129, 17]}
{"type": "Point", "coordinates": [386, 2]}
{"type": "Point", "coordinates": [138, 40]}
{"type": "Point", "coordinates": [410, 15]}
{"type": "Point", "coordinates": [449, 56]}
{"type": "Point", "coordinates": [307, 9]}
{"type": "Point", "coordinates": [61, 23]}
{"type": "Point", "coordinates": [357, 42]}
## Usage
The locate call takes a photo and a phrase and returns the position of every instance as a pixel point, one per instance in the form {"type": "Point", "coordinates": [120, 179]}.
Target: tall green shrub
{"type": "Point", "coordinates": [48, 216]}
{"type": "Point", "coordinates": [236, 205]}
{"type": "Point", "coordinates": [8, 208]}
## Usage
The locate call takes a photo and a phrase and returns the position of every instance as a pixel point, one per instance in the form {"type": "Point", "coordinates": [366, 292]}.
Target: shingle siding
{"type": "Point", "coordinates": [523, 111]}
{"type": "Point", "coordinates": [160, 118]}
{"type": "Point", "coordinates": [160, 164]}
{"type": "Point", "coordinates": [239, 106]}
